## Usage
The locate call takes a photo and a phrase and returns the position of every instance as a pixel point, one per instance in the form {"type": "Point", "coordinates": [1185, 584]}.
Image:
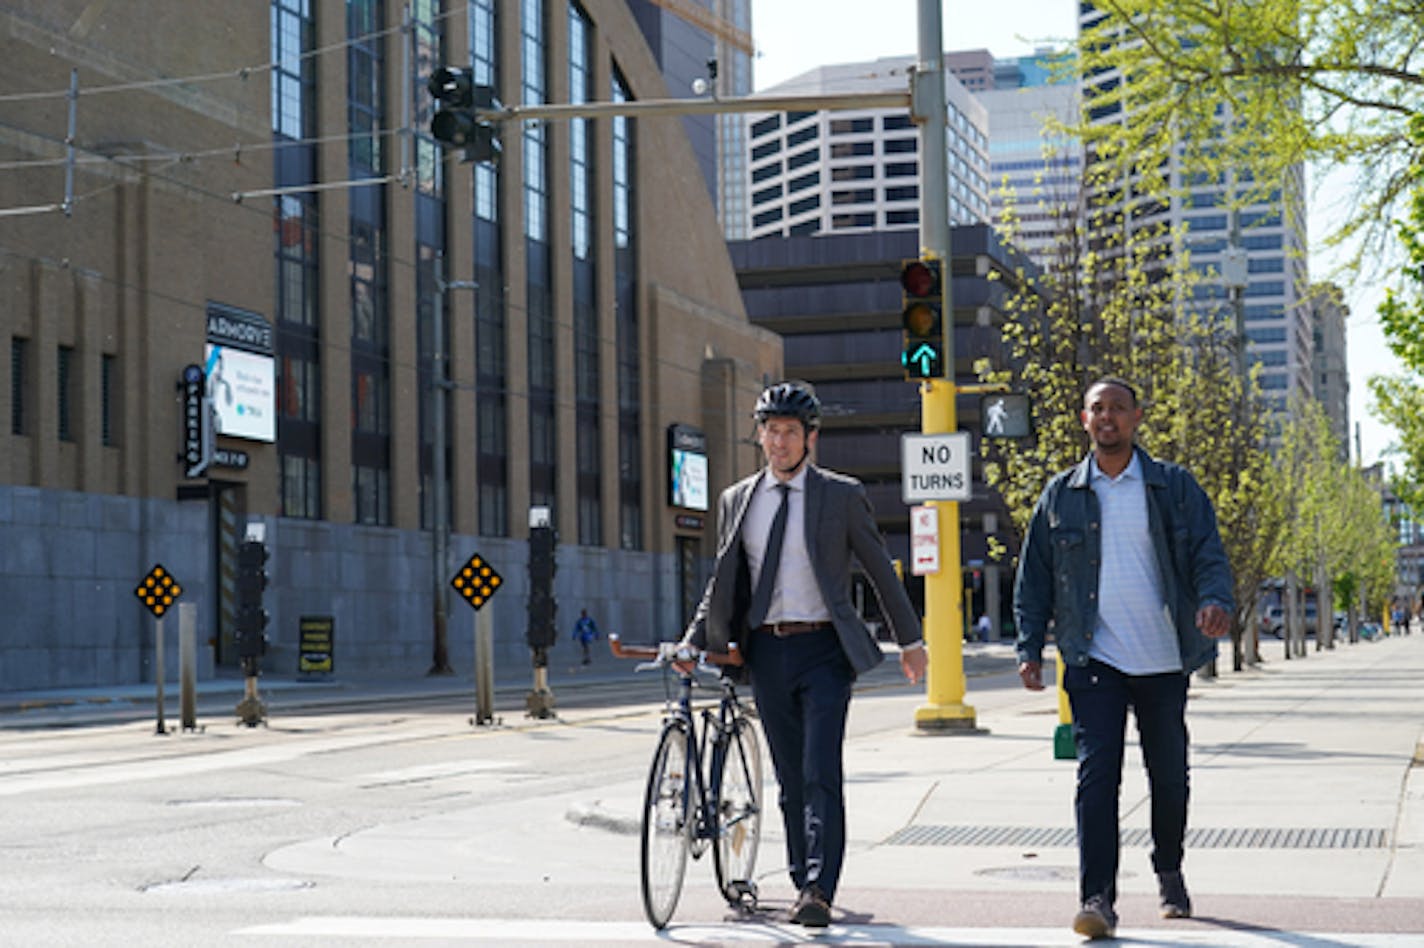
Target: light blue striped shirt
{"type": "Point", "coordinates": [1134, 632]}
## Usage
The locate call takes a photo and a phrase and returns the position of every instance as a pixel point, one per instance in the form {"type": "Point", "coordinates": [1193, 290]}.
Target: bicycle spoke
{"type": "Point", "coordinates": [665, 828]}
{"type": "Point", "coordinates": [739, 810]}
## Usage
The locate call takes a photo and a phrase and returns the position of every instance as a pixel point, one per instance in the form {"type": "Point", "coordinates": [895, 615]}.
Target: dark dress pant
{"type": "Point", "coordinates": [802, 684]}
{"type": "Point", "coordinates": [1100, 696]}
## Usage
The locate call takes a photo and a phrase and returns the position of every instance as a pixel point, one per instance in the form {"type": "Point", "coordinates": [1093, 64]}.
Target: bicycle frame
{"type": "Point", "coordinates": [704, 739]}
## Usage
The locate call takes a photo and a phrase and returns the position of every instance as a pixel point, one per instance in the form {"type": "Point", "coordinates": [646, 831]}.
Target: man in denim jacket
{"type": "Point", "coordinates": [1123, 560]}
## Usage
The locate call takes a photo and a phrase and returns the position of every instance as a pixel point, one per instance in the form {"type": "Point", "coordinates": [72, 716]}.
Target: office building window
{"type": "Point", "coordinates": [770, 216]}
{"type": "Point", "coordinates": [296, 228]}
{"type": "Point", "coordinates": [847, 221]}
{"type": "Point", "coordinates": [19, 377]}
{"type": "Point", "coordinates": [588, 374]}
{"type": "Point", "coordinates": [65, 393]}
{"type": "Point", "coordinates": [766, 149]}
{"type": "Point", "coordinates": [909, 192]}
{"type": "Point", "coordinates": [853, 173]}
{"type": "Point", "coordinates": [803, 158]}
{"type": "Point", "coordinates": [899, 146]}
{"type": "Point", "coordinates": [491, 313]}
{"type": "Point", "coordinates": [801, 136]}
{"type": "Point", "coordinates": [858, 196]}
{"type": "Point", "coordinates": [367, 260]}
{"type": "Point", "coordinates": [902, 169]}
{"type": "Point", "coordinates": [852, 126]}
{"type": "Point", "coordinates": [762, 172]}
{"type": "Point", "coordinates": [625, 275]}
{"type": "Point", "coordinates": [109, 390]}
{"type": "Point", "coordinates": [803, 182]}
{"type": "Point", "coordinates": [898, 218]}
{"type": "Point", "coordinates": [804, 205]}
{"type": "Point", "coordinates": [766, 126]}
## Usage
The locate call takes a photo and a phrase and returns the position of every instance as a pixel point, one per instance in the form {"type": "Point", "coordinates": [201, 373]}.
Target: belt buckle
{"type": "Point", "coordinates": [776, 630]}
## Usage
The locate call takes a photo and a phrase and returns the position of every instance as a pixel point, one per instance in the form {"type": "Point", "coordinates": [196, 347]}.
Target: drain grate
{"type": "Point", "coordinates": [1229, 838]}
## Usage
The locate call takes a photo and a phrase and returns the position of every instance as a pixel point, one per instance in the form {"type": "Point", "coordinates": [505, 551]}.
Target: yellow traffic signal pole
{"type": "Point", "coordinates": [944, 709]}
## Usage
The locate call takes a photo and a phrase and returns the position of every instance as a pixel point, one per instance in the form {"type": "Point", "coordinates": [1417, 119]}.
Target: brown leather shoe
{"type": "Point", "coordinates": [1175, 901]}
{"type": "Point", "coordinates": [1096, 919]}
{"type": "Point", "coordinates": [811, 908]}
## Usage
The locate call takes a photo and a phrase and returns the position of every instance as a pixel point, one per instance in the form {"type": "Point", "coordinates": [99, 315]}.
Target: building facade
{"type": "Point", "coordinates": [1332, 379]}
{"type": "Point", "coordinates": [858, 170]}
{"type": "Point", "coordinates": [254, 193]}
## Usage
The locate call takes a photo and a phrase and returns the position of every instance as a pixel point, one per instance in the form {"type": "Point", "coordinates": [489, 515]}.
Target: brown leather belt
{"type": "Point", "coordinates": [782, 629]}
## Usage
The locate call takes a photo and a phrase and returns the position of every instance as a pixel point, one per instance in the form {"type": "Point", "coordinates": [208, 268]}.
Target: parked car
{"type": "Point", "coordinates": [1273, 620]}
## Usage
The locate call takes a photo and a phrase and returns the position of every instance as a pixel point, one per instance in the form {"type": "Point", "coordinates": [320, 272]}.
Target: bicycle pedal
{"type": "Point", "coordinates": [742, 893]}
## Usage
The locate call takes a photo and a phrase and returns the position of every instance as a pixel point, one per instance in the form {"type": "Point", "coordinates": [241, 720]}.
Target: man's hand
{"type": "Point", "coordinates": [1031, 674]}
{"type": "Point", "coordinates": [914, 659]}
{"type": "Point", "coordinates": [1213, 621]}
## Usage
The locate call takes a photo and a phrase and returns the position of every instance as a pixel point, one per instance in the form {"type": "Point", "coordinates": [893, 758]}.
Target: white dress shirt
{"type": "Point", "coordinates": [796, 596]}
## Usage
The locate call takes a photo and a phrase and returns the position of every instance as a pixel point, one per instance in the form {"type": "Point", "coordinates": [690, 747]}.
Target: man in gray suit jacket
{"type": "Point", "coordinates": [780, 589]}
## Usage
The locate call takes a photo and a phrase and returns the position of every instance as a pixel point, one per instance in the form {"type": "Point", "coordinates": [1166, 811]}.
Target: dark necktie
{"type": "Point", "coordinates": [761, 598]}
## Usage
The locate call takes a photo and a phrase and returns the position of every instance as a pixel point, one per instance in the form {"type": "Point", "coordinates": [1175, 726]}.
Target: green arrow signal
{"type": "Point", "coordinates": [922, 361]}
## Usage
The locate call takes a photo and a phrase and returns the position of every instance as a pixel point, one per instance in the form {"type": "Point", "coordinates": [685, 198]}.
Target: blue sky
{"type": "Point", "coordinates": [793, 36]}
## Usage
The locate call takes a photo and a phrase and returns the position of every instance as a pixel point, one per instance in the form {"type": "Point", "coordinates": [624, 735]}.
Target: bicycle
{"type": "Point", "coordinates": [704, 787]}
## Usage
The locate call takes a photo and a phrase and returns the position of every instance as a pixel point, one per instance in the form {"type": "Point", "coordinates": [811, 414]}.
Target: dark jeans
{"type": "Point", "coordinates": [1100, 696]}
{"type": "Point", "coordinates": [802, 685]}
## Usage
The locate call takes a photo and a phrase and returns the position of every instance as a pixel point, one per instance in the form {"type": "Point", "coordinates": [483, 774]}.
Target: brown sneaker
{"type": "Point", "coordinates": [1175, 901]}
{"type": "Point", "coordinates": [1096, 919]}
{"type": "Point", "coordinates": [811, 908]}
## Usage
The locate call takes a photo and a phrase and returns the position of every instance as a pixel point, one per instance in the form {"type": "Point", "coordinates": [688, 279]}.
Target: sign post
{"type": "Point", "coordinates": [476, 582]}
{"type": "Point", "coordinates": [158, 590]}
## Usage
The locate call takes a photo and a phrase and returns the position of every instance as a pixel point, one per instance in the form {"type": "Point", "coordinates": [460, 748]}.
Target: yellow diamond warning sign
{"type": "Point", "coordinates": [158, 591]}
{"type": "Point", "coordinates": [476, 581]}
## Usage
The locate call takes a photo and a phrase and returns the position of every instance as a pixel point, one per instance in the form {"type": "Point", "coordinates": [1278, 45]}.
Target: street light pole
{"type": "Point", "coordinates": [944, 708]}
{"type": "Point", "coordinates": [439, 505]}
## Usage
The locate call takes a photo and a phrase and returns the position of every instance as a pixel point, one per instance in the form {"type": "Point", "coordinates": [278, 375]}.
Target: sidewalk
{"type": "Point", "coordinates": [1307, 809]}
{"type": "Point", "coordinates": [217, 697]}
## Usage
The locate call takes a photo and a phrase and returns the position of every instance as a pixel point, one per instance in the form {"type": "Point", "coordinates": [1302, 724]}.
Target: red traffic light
{"type": "Point", "coordinates": [920, 278]}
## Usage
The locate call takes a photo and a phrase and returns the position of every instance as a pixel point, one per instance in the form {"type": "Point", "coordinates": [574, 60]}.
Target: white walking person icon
{"type": "Point", "coordinates": [995, 414]}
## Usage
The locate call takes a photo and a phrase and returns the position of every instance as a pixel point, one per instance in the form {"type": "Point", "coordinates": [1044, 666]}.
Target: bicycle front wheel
{"type": "Point", "coordinates": [739, 809]}
{"type": "Point", "coordinates": [666, 825]}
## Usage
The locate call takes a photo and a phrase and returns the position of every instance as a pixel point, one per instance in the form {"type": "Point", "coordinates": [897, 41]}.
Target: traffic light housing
{"type": "Point", "coordinates": [542, 606]}
{"type": "Point", "coordinates": [252, 618]}
{"type": "Point", "coordinates": [922, 317]}
{"type": "Point", "coordinates": [456, 122]}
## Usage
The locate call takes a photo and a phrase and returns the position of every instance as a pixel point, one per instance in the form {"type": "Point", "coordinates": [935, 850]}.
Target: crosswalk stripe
{"type": "Point", "coordinates": [571, 932]}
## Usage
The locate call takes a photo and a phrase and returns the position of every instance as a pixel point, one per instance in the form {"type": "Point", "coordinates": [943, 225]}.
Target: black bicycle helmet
{"type": "Point", "coordinates": [789, 400]}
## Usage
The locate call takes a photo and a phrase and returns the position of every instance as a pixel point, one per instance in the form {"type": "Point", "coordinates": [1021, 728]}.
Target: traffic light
{"type": "Point", "coordinates": [542, 606]}
{"type": "Point", "coordinates": [922, 316]}
{"type": "Point", "coordinates": [251, 617]}
{"type": "Point", "coordinates": [456, 123]}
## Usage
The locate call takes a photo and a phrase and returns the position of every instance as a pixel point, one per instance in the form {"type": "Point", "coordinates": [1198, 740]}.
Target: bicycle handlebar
{"type": "Point", "coordinates": [667, 653]}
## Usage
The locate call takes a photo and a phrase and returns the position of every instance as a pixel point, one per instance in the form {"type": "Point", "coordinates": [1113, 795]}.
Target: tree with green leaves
{"type": "Point", "coordinates": [1260, 87]}
{"type": "Point", "coordinates": [1114, 306]}
{"type": "Point", "coordinates": [1399, 398]}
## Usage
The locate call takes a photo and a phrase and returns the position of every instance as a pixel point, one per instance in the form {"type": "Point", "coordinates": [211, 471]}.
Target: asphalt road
{"type": "Point", "coordinates": [400, 823]}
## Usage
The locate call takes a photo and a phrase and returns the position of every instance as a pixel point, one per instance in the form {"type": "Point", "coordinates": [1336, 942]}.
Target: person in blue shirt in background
{"type": "Point", "coordinates": [1123, 558]}
{"type": "Point", "coordinates": [585, 633]}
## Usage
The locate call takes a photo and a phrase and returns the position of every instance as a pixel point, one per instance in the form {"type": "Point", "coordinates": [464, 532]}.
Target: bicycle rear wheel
{"type": "Point", "coordinates": [666, 825]}
{"type": "Point", "coordinates": [739, 809]}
